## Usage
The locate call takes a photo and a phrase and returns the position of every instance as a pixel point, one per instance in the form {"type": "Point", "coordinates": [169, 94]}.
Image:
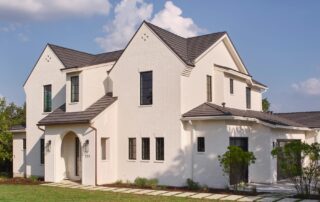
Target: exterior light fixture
{"type": "Point", "coordinates": [86, 146]}
{"type": "Point", "coordinates": [48, 146]}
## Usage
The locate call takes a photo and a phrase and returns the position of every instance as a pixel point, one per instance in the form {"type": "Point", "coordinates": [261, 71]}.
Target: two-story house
{"type": "Point", "coordinates": [164, 107]}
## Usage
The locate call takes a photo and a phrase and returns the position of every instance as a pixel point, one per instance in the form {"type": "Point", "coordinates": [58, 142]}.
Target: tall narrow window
{"type": "Point", "coordinates": [132, 148]}
{"type": "Point", "coordinates": [146, 88]}
{"type": "Point", "coordinates": [231, 86]}
{"type": "Point", "coordinates": [42, 151]}
{"type": "Point", "coordinates": [201, 144]}
{"type": "Point", "coordinates": [74, 88]}
{"type": "Point", "coordinates": [105, 148]}
{"type": "Point", "coordinates": [209, 88]}
{"type": "Point", "coordinates": [248, 97]}
{"type": "Point", "coordinates": [78, 157]}
{"type": "Point", "coordinates": [160, 149]}
{"type": "Point", "coordinates": [145, 148]}
{"type": "Point", "coordinates": [24, 143]}
{"type": "Point", "coordinates": [47, 98]}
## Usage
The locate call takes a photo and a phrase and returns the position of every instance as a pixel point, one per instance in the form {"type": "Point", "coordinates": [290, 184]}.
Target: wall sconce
{"type": "Point", "coordinates": [274, 144]}
{"type": "Point", "coordinates": [86, 146]}
{"type": "Point", "coordinates": [48, 146]}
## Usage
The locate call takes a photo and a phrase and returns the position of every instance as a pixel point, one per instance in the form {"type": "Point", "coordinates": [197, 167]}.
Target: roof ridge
{"type": "Point", "coordinates": [149, 23]}
{"type": "Point", "coordinates": [108, 52]}
{"type": "Point", "coordinates": [71, 49]}
{"type": "Point", "coordinates": [222, 32]}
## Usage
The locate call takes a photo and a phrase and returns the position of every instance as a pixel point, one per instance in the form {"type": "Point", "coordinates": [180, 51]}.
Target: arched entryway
{"type": "Point", "coordinates": [71, 155]}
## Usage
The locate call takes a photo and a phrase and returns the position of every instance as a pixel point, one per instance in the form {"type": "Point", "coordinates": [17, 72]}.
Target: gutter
{"type": "Point", "coordinates": [95, 151]}
{"type": "Point", "coordinates": [240, 118]}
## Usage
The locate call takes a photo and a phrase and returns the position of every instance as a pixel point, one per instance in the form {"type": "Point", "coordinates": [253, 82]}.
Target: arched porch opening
{"type": "Point", "coordinates": [72, 158]}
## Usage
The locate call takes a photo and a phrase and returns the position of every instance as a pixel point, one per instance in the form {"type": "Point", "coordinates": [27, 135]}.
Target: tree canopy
{"type": "Point", "coordinates": [265, 104]}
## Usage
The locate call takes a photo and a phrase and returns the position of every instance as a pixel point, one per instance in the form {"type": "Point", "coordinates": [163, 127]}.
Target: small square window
{"type": "Point", "coordinates": [201, 144]}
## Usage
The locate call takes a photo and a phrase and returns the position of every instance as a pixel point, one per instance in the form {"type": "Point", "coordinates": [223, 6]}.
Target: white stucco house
{"type": "Point", "coordinates": [164, 107]}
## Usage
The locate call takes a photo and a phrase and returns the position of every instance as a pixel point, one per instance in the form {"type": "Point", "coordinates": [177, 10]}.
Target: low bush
{"type": "Point", "coordinates": [192, 185]}
{"type": "Point", "coordinates": [144, 182]}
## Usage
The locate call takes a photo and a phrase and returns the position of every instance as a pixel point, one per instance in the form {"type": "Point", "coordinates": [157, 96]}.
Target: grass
{"type": "Point", "coordinates": [39, 193]}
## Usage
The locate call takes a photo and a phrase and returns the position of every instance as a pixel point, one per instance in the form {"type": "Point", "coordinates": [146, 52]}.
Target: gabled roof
{"type": "Point", "coordinates": [60, 116]}
{"type": "Point", "coordinates": [187, 49]}
{"type": "Point", "coordinates": [310, 119]}
{"type": "Point", "coordinates": [209, 109]}
{"type": "Point", "coordinates": [72, 58]}
{"type": "Point", "coordinates": [18, 128]}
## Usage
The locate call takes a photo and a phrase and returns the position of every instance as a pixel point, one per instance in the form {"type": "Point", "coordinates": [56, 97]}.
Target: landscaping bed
{"type": "Point", "coordinates": [21, 181]}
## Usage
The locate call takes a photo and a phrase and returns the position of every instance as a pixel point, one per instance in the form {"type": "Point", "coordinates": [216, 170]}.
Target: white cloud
{"type": "Point", "coordinates": [23, 37]}
{"type": "Point", "coordinates": [17, 10]}
{"type": "Point", "coordinates": [171, 18]}
{"type": "Point", "coordinates": [309, 87]}
{"type": "Point", "coordinates": [130, 13]}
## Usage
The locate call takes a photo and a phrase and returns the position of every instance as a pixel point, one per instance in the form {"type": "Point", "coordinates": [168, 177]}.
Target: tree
{"type": "Point", "coordinates": [265, 104]}
{"type": "Point", "coordinates": [301, 162]}
{"type": "Point", "coordinates": [235, 157]}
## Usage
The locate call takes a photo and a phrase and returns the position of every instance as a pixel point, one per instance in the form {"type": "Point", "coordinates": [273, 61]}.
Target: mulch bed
{"type": "Point", "coordinates": [185, 189]}
{"type": "Point", "coordinates": [20, 181]}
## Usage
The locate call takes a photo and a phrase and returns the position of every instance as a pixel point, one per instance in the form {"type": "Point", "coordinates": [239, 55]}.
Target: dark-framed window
{"type": "Point", "coordinates": [231, 86]}
{"type": "Point", "coordinates": [42, 151]}
{"type": "Point", "coordinates": [209, 88]}
{"type": "Point", "coordinates": [201, 146]}
{"type": "Point", "coordinates": [146, 88]}
{"type": "Point", "coordinates": [248, 97]}
{"type": "Point", "coordinates": [47, 98]}
{"type": "Point", "coordinates": [74, 88]}
{"type": "Point", "coordinates": [105, 146]}
{"type": "Point", "coordinates": [24, 141]}
{"type": "Point", "coordinates": [132, 148]}
{"type": "Point", "coordinates": [160, 149]}
{"type": "Point", "coordinates": [145, 148]}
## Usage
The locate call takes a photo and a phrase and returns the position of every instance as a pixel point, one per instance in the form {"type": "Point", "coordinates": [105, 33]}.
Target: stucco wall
{"type": "Point", "coordinates": [46, 71]}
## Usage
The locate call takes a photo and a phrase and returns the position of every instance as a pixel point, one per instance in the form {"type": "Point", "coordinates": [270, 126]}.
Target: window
{"type": "Point", "coordinates": [146, 88]}
{"type": "Point", "coordinates": [231, 86]}
{"type": "Point", "coordinates": [159, 148]}
{"type": "Point", "coordinates": [201, 144]}
{"type": "Point", "coordinates": [24, 143]}
{"type": "Point", "coordinates": [47, 100]}
{"type": "Point", "coordinates": [132, 148]}
{"type": "Point", "coordinates": [42, 151]}
{"type": "Point", "coordinates": [105, 145]}
{"type": "Point", "coordinates": [145, 148]}
{"type": "Point", "coordinates": [248, 97]}
{"type": "Point", "coordinates": [209, 88]}
{"type": "Point", "coordinates": [74, 89]}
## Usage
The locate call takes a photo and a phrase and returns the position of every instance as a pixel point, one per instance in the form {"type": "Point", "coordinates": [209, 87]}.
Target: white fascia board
{"type": "Point", "coordinates": [240, 118]}
{"type": "Point", "coordinates": [17, 131]}
{"type": "Point", "coordinates": [77, 69]}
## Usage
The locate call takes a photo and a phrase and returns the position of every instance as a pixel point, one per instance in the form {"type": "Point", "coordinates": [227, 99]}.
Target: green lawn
{"type": "Point", "coordinates": [39, 193]}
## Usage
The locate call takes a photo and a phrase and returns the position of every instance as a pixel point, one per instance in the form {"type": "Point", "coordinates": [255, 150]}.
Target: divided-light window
{"type": "Point", "coordinates": [47, 98]}
{"type": "Point", "coordinates": [146, 88]}
{"type": "Point", "coordinates": [74, 88]}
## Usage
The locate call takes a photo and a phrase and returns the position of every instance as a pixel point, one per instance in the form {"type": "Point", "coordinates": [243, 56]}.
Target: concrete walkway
{"type": "Point", "coordinates": [195, 195]}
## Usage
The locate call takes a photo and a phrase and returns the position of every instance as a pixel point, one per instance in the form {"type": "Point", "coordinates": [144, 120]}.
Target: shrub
{"type": "Point", "coordinates": [192, 185]}
{"type": "Point", "coordinates": [144, 182]}
{"type": "Point", "coordinates": [34, 178]}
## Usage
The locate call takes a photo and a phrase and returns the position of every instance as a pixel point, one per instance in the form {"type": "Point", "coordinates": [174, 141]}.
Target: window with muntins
{"type": "Point", "coordinates": [231, 86]}
{"type": "Point", "coordinates": [145, 148]}
{"type": "Point", "coordinates": [104, 148]}
{"type": "Point", "coordinates": [201, 144]}
{"type": "Point", "coordinates": [248, 97]}
{"type": "Point", "coordinates": [160, 149]}
{"type": "Point", "coordinates": [42, 151]}
{"type": "Point", "coordinates": [47, 98]}
{"type": "Point", "coordinates": [146, 88]}
{"type": "Point", "coordinates": [74, 88]}
{"type": "Point", "coordinates": [132, 148]}
{"type": "Point", "coordinates": [209, 88]}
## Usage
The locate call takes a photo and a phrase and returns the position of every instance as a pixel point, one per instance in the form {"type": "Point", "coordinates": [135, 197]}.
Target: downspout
{"type": "Point", "coordinates": [95, 151]}
{"type": "Point", "coordinates": [192, 145]}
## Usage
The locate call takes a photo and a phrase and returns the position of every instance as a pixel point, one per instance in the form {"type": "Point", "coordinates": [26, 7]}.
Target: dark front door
{"type": "Point", "coordinates": [239, 173]}
{"type": "Point", "coordinates": [281, 172]}
{"type": "Point", "coordinates": [78, 157]}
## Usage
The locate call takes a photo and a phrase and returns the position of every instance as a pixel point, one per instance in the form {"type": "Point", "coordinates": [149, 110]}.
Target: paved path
{"type": "Point", "coordinates": [195, 195]}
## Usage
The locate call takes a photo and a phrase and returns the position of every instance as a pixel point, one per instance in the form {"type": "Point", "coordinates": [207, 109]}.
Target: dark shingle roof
{"type": "Point", "coordinates": [310, 119]}
{"type": "Point", "coordinates": [73, 58]}
{"type": "Point", "coordinates": [209, 109]}
{"type": "Point", "coordinates": [60, 116]}
{"type": "Point", "coordinates": [18, 127]}
{"type": "Point", "coordinates": [188, 49]}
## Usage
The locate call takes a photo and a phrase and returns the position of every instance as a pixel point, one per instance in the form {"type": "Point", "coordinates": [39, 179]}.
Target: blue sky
{"type": "Point", "coordinates": [278, 40]}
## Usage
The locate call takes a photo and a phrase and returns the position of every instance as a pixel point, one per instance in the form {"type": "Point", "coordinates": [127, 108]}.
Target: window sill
{"type": "Point", "coordinates": [158, 161]}
{"type": "Point", "coordinates": [45, 113]}
{"type": "Point", "coordinates": [143, 106]}
{"type": "Point", "coordinates": [145, 161]}
{"type": "Point", "coordinates": [105, 161]}
{"type": "Point", "coordinates": [73, 103]}
{"type": "Point", "coordinates": [131, 160]}
{"type": "Point", "coordinates": [200, 153]}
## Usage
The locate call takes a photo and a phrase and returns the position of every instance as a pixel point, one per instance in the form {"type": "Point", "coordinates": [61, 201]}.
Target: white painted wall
{"type": "Point", "coordinates": [46, 71]}
{"type": "Point", "coordinates": [19, 155]}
